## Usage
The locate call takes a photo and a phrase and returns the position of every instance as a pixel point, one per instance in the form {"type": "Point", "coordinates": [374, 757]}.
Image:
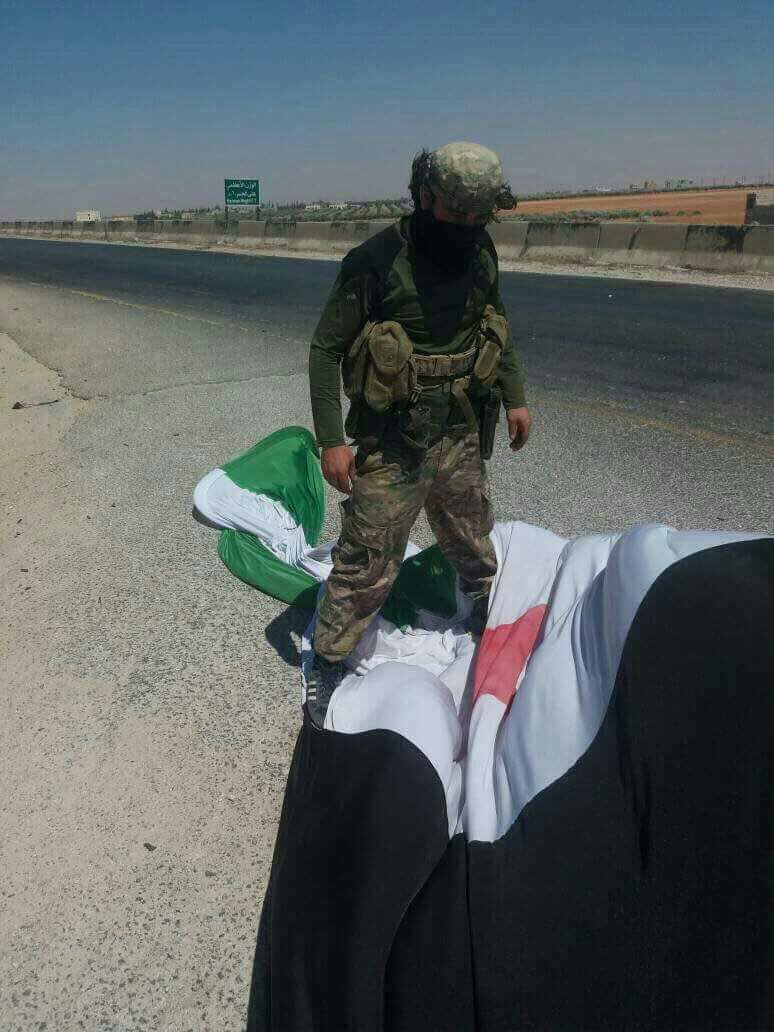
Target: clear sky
{"type": "Point", "coordinates": [125, 106]}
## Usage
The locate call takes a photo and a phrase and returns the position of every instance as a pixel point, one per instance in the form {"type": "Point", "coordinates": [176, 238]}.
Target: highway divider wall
{"type": "Point", "coordinates": [758, 249]}
{"type": "Point", "coordinates": [649, 244]}
{"type": "Point", "coordinates": [616, 241]}
{"type": "Point", "coordinates": [510, 239]}
{"type": "Point", "coordinates": [327, 237]}
{"type": "Point", "coordinates": [657, 246]}
{"type": "Point", "coordinates": [715, 247]}
{"type": "Point", "coordinates": [562, 241]}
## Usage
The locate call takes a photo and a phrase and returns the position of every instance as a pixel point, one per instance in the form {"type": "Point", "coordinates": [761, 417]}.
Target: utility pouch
{"type": "Point", "coordinates": [492, 340]}
{"type": "Point", "coordinates": [490, 415]}
{"type": "Point", "coordinates": [354, 363]}
{"type": "Point", "coordinates": [389, 373]}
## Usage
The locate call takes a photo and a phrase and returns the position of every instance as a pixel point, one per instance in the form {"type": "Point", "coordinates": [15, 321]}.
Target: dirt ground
{"type": "Point", "coordinates": [149, 700]}
{"type": "Point", "coordinates": [699, 207]}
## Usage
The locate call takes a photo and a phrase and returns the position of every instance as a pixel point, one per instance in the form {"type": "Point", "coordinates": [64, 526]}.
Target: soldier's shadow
{"type": "Point", "coordinates": [283, 631]}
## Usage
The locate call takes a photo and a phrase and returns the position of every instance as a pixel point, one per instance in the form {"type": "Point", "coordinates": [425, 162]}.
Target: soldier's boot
{"type": "Point", "coordinates": [323, 680]}
{"type": "Point", "coordinates": [478, 616]}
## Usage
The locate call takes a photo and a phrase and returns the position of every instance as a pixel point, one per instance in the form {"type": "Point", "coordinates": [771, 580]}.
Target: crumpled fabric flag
{"type": "Point", "coordinates": [270, 502]}
{"type": "Point", "coordinates": [563, 825]}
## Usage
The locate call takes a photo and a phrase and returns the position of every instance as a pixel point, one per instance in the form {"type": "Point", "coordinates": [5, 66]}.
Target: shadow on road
{"type": "Point", "coordinates": [201, 518]}
{"type": "Point", "coordinates": [282, 631]}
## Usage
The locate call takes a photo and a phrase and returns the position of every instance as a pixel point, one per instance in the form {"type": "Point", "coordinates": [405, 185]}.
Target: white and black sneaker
{"type": "Point", "coordinates": [323, 680]}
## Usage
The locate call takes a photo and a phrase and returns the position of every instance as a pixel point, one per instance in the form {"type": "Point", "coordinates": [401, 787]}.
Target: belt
{"type": "Point", "coordinates": [429, 367]}
{"type": "Point", "coordinates": [447, 374]}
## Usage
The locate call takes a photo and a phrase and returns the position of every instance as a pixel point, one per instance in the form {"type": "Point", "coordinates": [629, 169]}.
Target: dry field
{"type": "Point", "coordinates": [699, 207]}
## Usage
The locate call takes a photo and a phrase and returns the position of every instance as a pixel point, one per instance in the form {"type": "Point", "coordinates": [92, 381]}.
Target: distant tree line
{"type": "Point", "coordinates": [585, 215]}
{"type": "Point", "coordinates": [389, 208]}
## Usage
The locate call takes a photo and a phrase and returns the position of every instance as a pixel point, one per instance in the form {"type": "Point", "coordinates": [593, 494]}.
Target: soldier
{"type": "Point", "coordinates": [415, 325]}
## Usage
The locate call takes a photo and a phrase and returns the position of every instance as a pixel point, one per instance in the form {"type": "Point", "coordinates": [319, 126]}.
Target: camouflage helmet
{"type": "Point", "coordinates": [469, 178]}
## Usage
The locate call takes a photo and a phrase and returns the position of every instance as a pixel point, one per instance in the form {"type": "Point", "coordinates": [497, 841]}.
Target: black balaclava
{"type": "Point", "coordinates": [447, 244]}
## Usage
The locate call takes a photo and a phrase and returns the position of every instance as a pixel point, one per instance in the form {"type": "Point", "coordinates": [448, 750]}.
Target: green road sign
{"type": "Point", "coordinates": [241, 191]}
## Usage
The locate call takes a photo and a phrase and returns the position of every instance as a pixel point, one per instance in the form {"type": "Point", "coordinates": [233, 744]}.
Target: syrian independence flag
{"type": "Point", "coordinates": [270, 502]}
{"type": "Point", "coordinates": [566, 825]}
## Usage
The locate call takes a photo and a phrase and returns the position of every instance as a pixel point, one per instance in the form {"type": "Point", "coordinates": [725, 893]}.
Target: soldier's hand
{"type": "Point", "coordinates": [338, 467]}
{"type": "Point", "coordinates": [519, 423]}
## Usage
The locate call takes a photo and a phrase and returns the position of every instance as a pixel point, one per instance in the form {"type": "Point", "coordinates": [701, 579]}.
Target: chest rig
{"type": "Point", "coordinates": [382, 370]}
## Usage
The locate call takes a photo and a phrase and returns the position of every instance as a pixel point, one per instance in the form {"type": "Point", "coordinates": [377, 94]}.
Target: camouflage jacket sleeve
{"type": "Point", "coordinates": [344, 315]}
{"type": "Point", "coordinates": [509, 379]}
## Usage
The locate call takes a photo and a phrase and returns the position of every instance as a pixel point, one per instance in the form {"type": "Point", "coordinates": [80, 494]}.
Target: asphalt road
{"type": "Point", "coordinates": [701, 355]}
{"type": "Point", "coordinates": [149, 701]}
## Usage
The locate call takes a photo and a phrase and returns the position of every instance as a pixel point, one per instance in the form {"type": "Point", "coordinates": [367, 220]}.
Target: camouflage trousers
{"type": "Point", "coordinates": [390, 487]}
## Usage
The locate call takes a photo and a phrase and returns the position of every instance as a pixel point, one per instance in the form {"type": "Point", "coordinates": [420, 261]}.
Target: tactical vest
{"type": "Point", "coordinates": [382, 370]}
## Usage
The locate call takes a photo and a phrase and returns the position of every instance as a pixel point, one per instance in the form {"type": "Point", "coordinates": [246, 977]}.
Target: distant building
{"type": "Point", "coordinates": [312, 207]}
{"type": "Point", "coordinates": [87, 216]}
{"type": "Point", "coordinates": [121, 218]}
{"type": "Point", "coordinates": [339, 205]}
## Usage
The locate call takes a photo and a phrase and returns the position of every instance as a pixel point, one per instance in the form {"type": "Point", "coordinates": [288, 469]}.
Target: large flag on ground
{"type": "Point", "coordinates": [565, 825]}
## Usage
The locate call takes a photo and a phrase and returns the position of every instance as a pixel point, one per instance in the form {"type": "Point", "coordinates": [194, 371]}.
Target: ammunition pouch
{"type": "Point", "coordinates": [389, 379]}
{"type": "Point", "coordinates": [378, 366]}
{"type": "Point", "coordinates": [354, 363]}
{"type": "Point", "coordinates": [493, 337]}
{"type": "Point", "coordinates": [381, 370]}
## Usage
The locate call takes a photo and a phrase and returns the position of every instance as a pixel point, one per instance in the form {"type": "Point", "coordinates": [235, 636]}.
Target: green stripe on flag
{"type": "Point", "coordinates": [284, 466]}
{"type": "Point", "coordinates": [254, 564]}
{"type": "Point", "coordinates": [426, 581]}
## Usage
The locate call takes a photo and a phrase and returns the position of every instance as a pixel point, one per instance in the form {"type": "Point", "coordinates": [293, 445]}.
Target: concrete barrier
{"type": "Point", "coordinates": [279, 235]}
{"type": "Point", "coordinates": [714, 247]}
{"type": "Point", "coordinates": [361, 231]}
{"type": "Point", "coordinates": [126, 231]}
{"type": "Point", "coordinates": [226, 230]}
{"type": "Point", "coordinates": [326, 237]}
{"type": "Point", "coordinates": [335, 237]}
{"type": "Point", "coordinates": [289, 236]}
{"type": "Point", "coordinates": [251, 229]}
{"type": "Point", "coordinates": [510, 238]}
{"type": "Point", "coordinates": [198, 231]}
{"type": "Point", "coordinates": [88, 231]}
{"type": "Point", "coordinates": [173, 228]}
{"type": "Point", "coordinates": [561, 241]}
{"type": "Point", "coordinates": [342, 234]}
{"type": "Point", "coordinates": [145, 227]}
{"type": "Point", "coordinates": [758, 249]}
{"type": "Point", "coordinates": [313, 236]}
{"type": "Point", "coordinates": [658, 245]}
{"type": "Point", "coordinates": [616, 239]}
